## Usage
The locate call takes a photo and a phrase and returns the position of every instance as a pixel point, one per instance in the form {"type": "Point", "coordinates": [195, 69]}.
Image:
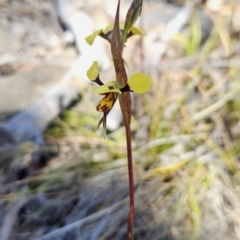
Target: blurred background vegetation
{"type": "Point", "coordinates": [186, 138]}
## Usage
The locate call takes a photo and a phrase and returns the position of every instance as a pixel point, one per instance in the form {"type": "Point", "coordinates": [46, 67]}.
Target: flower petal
{"type": "Point", "coordinates": [106, 104]}
{"type": "Point", "coordinates": [111, 87]}
{"type": "Point", "coordinates": [109, 28]}
{"type": "Point", "coordinates": [90, 39]}
{"type": "Point", "coordinates": [136, 31]}
{"type": "Point", "coordinates": [93, 71]}
{"type": "Point", "coordinates": [139, 82]}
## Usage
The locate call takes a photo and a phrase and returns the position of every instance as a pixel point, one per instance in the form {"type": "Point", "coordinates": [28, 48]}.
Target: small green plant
{"type": "Point", "coordinates": [117, 34]}
{"type": "Point", "coordinates": [192, 42]}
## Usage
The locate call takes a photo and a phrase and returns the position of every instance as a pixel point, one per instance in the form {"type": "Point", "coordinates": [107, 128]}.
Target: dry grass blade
{"type": "Point", "coordinates": [12, 218]}
{"type": "Point", "coordinates": [217, 105]}
{"type": "Point", "coordinates": [61, 231]}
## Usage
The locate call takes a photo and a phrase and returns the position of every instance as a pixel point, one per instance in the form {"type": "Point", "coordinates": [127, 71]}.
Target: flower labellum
{"type": "Point", "coordinates": [106, 104]}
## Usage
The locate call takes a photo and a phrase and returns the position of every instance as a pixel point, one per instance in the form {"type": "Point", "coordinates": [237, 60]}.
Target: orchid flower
{"type": "Point", "coordinates": [137, 83]}
{"type": "Point", "coordinates": [117, 34]}
{"type": "Point", "coordinates": [107, 33]}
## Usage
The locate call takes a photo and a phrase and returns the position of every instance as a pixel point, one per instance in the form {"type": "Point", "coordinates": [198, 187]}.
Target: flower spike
{"type": "Point", "coordinates": [117, 34]}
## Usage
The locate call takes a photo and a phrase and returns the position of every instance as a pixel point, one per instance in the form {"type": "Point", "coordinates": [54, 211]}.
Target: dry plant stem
{"type": "Point", "coordinates": [8, 225]}
{"type": "Point", "coordinates": [56, 234]}
{"type": "Point", "coordinates": [125, 104]}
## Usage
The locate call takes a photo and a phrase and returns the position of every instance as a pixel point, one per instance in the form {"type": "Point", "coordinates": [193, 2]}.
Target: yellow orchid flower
{"type": "Point", "coordinates": [107, 33]}
{"type": "Point", "coordinates": [138, 83]}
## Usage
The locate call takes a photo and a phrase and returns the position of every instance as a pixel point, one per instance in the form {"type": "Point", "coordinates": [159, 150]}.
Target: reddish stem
{"type": "Point", "coordinates": [131, 213]}
{"type": "Point", "coordinates": [125, 103]}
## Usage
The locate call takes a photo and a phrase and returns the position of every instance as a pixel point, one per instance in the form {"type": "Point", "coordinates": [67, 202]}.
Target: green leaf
{"type": "Point", "coordinates": [93, 71]}
{"type": "Point", "coordinates": [90, 39]}
{"type": "Point", "coordinates": [139, 82]}
{"type": "Point", "coordinates": [108, 88]}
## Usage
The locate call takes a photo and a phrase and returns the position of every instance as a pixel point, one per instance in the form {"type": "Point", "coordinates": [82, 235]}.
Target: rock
{"type": "Point", "coordinates": [38, 97]}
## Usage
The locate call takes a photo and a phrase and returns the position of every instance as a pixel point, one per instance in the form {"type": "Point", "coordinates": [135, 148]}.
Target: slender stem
{"type": "Point", "coordinates": [125, 104]}
{"type": "Point", "coordinates": [131, 183]}
{"type": "Point", "coordinates": [130, 164]}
